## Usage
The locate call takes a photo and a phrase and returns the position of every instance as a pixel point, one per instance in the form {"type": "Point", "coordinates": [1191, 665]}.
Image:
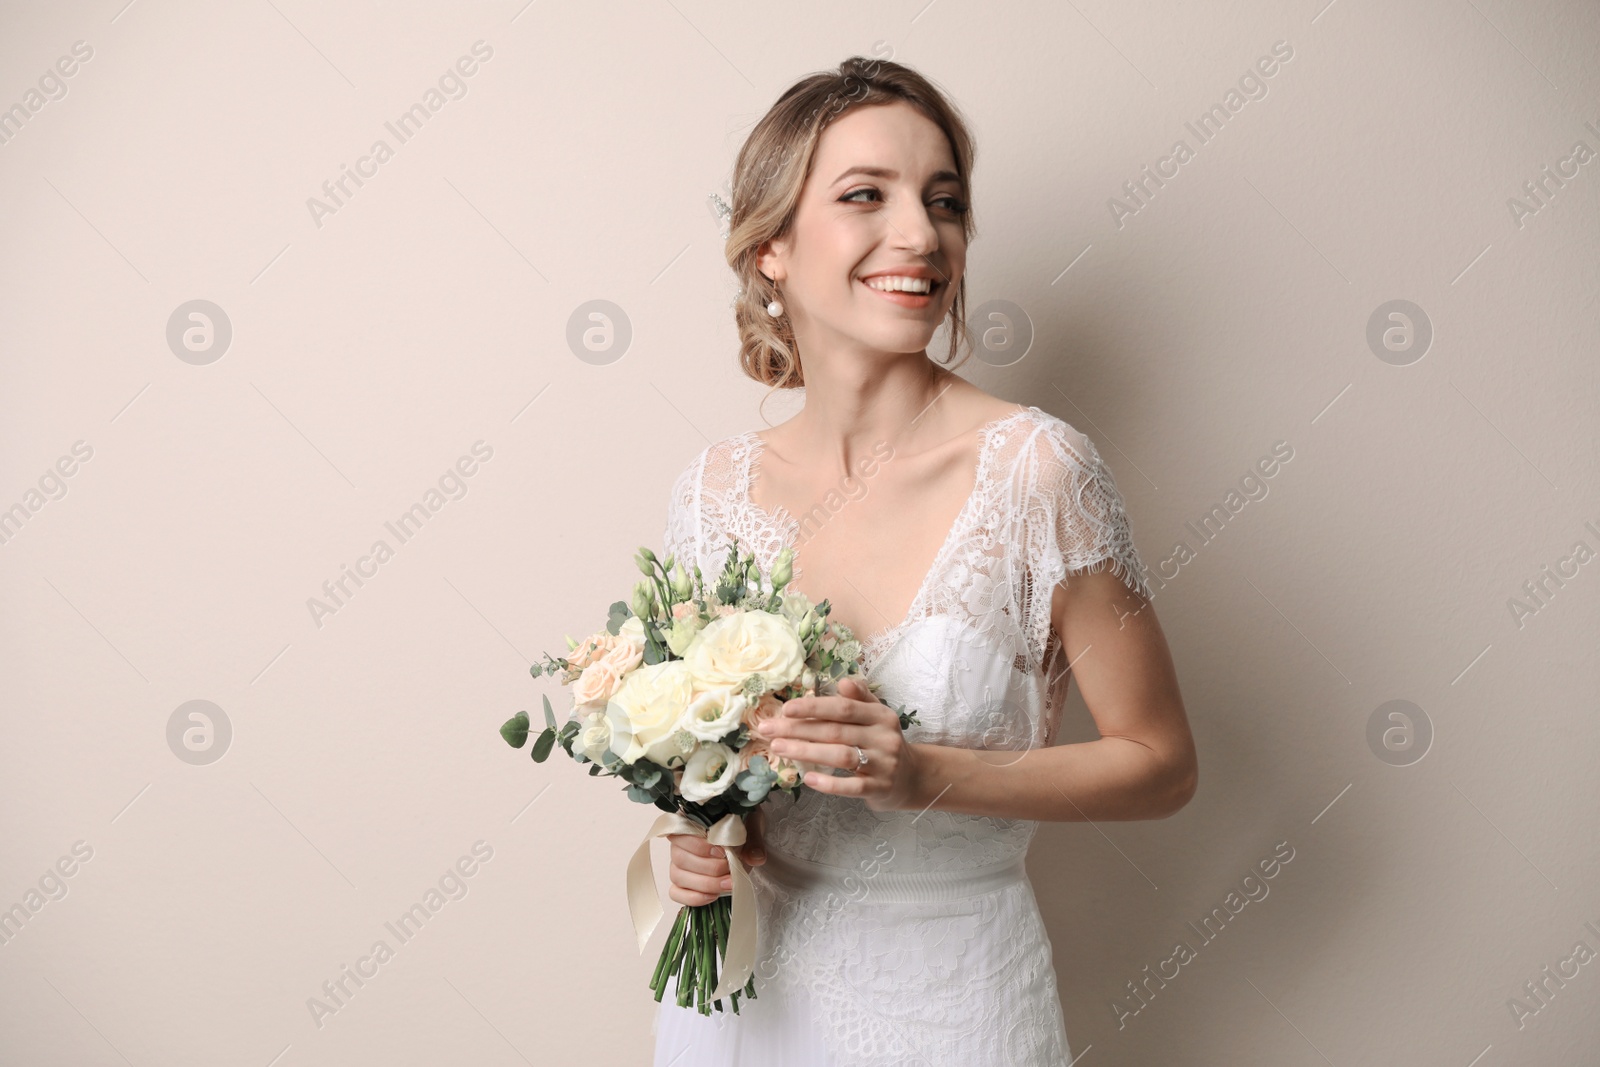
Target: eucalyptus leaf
{"type": "Point", "coordinates": [541, 747]}
{"type": "Point", "coordinates": [549, 716]}
{"type": "Point", "coordinates": [515, 730]}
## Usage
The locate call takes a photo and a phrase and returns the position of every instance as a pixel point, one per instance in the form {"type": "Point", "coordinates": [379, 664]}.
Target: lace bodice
{"type": "Point", "coordinates": [976, 654]}
{"type": "Point", "coordinates": [931, 983]}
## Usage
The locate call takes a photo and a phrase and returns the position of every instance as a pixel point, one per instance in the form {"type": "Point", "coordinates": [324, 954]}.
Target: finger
{"type": "Point", "coordinates": [716, 866]}
{"type": "Point", "coordinates": [702, 883]}
{"type": "Point", "coordinates": [839, 708]}
{"type": "Point", "coordinates": [827, 731]}
{"type": "Point", "coordinates": [858, 690]}
{"type": "Point", "coordinates": [846, 786]}
{"type": "Point", "coordinates": [828, 755]}
{"type": "Point", "coordinates": [689, 897]}
{"type": "Point", "coordinates": [695, 844]}
{"type": "Point", "coordinates": [822, 782]}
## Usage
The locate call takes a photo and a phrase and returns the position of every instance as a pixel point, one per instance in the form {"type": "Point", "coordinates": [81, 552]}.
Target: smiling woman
{"type": "Point", "coordinates": [897, 924]}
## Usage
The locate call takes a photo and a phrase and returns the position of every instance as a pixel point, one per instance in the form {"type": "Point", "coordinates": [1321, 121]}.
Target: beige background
{"type": "Point", "coordinates": [431, 311]}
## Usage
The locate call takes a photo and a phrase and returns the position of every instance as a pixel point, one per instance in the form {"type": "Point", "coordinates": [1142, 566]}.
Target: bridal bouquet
{"type": "Point", "coordinates": [667, 697]}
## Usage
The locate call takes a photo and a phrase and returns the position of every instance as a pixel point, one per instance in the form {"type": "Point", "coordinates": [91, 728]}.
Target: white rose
{"type": "Point", "coordinates": [646, 712]}
{"type": "Point", "coordinates": [709, 772]}
{"type": "Point", "coordinates": [594, 736]}
{"type": "Point", "coordinates": [732, 648]}
{"type": "Point", "coordinates": [716, 713]}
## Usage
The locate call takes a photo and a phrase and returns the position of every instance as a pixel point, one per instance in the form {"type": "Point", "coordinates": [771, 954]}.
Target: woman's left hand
{"type": "Point", "coordinates": [827, 730]}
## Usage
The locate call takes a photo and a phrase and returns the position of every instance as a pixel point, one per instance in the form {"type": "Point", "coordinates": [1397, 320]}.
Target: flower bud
{"type": "Point", "coordinates": [783, 569]}
{"type": "Point", "coordinates": [681, 587]}
{"type": "Point", "coordinates": [641, 600]}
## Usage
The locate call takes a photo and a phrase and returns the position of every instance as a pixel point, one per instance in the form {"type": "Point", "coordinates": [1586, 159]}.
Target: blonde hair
{"type": "Point", "coordinates": [770, 172]}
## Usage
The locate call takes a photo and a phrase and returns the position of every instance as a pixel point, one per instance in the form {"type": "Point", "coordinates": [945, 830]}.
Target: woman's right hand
{"type": "Point", "coordinates": [699, 871]}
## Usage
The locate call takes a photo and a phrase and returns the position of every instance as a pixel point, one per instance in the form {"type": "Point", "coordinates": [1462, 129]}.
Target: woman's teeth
{"type": "Point", "coordinates": [890, 283]}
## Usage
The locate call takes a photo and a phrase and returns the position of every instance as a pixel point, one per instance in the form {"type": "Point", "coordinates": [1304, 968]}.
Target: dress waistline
{"type": "Point", "coordinates": [893, 887]}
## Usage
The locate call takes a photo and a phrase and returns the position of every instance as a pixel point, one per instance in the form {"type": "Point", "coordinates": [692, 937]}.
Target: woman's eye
{"type": "Point", "coordinates": [951, 203]}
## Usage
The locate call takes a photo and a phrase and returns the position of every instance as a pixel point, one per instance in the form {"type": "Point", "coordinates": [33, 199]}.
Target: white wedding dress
{"type": "Point", "coordinates": [902, 937]}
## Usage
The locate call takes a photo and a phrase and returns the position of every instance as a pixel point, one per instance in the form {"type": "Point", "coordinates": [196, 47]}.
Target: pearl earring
{"type": "Point", "coordinates": [774, 309]}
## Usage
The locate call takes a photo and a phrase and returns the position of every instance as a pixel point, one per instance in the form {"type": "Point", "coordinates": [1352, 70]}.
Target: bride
{"type": "Point", "coordinates": [979, 550]}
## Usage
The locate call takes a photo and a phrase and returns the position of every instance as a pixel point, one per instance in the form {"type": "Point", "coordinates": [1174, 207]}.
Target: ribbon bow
{"type": "Point", "coordinates": [740, 959]}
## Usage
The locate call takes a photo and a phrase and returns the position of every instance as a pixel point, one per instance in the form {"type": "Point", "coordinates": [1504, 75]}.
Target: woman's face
{"type": "Point", "coordinates": [882, 199]}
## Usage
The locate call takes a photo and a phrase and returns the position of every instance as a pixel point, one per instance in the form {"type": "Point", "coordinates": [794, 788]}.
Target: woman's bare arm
{"type": "Point", "coordinates": [1143, 765]}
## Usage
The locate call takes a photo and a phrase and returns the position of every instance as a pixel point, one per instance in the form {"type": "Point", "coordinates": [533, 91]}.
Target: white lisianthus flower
{"type": "Point", "coordinates": [709, 772]}
{"type": "Point", "coordinates": [797, 608]}
{"type": "Point", "coordinates": [716, 713]}
{"type": "Point", "coordinates": [733, 647]}
{"type": "Point", "coordinates": [646, 711]}
{"type": "Point", "coordinates": [594, 736]}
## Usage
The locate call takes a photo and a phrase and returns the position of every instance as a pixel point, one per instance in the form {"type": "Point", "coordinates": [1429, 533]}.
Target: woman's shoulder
{"type": "Point", "coordinates": [716, 465]}
{"type": "Point", "coordinates": [1056, 442]}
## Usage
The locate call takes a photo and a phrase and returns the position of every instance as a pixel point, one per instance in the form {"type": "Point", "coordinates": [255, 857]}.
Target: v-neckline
{"type": "Point", "coordinates": [782, 520]}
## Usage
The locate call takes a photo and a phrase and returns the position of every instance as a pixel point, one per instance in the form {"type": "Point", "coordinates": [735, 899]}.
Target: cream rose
{"type": "Point", "coordinates": [732, 648]}
{"type": "Point", "coordinates": [627, 649]}
{"type": "Point", "coordinates": [646, 712]}
{"type": "Point", "coordinates": [756, 746]}
{"type": "Point", "coordinates": [790, 772]}
{"type": "Point", "coordinates": [588, 650]}
{"type": "Point", "coordinates": [596, 685]}
{"type": "Point", "coordinates": [757, 713]}
{"type": "Point", "coordinates": [709, 772]}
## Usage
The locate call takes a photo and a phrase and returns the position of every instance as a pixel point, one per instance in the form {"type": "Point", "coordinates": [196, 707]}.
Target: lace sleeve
{"type": "Point", "coordinates": [680, 538]}
{"type": "Point", "coordinates": [1074, 523]}
{"type": "Point", "coordinates": [1089, 528]}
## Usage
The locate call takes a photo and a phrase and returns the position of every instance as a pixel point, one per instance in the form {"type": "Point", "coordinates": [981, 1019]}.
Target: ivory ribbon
{"type": "Point", "coordinates": [740, 961]}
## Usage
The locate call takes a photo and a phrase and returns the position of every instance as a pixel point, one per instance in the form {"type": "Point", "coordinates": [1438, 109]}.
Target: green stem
{"type": "Point", "coordinates": [716, 946]}
{"type": "Point", "coordinates": [727, 931]}
{"type": "Point", "coordinates": [686, 975]}
{"type": "Point", "coordinates": [708, 974]}
{"type": "Point", "coordinates": [669, 952]}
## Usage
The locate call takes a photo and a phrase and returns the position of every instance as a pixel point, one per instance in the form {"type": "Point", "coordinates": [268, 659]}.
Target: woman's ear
{"type": "Point", "coordinates": [769, 260]}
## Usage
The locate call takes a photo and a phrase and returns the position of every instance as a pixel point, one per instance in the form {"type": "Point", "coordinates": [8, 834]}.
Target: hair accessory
{"type": "Point", "coordinates": [722, 212]}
